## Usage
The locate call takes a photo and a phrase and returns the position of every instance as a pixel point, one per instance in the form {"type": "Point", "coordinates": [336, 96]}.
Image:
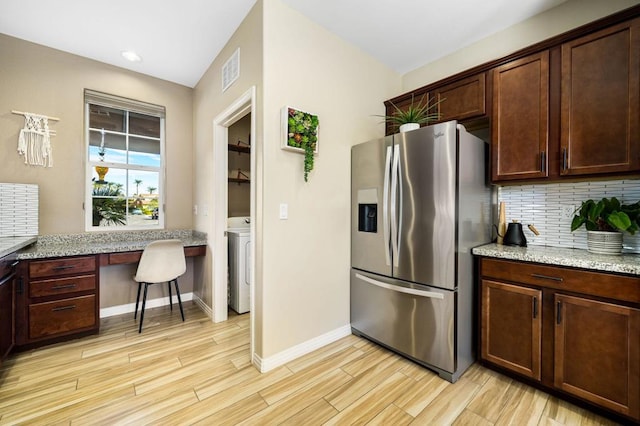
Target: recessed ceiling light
{"type": "Point", "coordinates": [131, 56]}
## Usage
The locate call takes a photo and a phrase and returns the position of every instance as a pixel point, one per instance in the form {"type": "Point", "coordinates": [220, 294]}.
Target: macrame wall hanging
{"type": "Point", "coordinates": [34, 142]}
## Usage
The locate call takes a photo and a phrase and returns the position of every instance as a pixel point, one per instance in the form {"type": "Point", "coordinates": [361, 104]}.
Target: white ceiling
{"type": "Point", "coordinates": [178, 40]}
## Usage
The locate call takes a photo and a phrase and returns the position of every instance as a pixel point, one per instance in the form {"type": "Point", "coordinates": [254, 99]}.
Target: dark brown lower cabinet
{"type": "Point", "coordinates": [511, 327]}
{"type": "Point", "coordinates": [570, 331]}
{"type": "Point", "coordinates": [58, 299]}
{"type": "Point", "coordinates": [7, 285]}
{"type": "Point", "coordinates": [7, 304]}
{"type": "Point", "coordinates": [597, 349]}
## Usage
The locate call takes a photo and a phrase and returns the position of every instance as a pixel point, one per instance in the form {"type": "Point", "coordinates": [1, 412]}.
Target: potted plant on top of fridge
{"type": "Point", "coordinates": [605, 221]}
{"type": "Point", "coordinates": [414, 115]}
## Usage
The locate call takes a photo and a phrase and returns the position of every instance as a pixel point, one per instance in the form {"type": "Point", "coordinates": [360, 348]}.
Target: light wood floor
{"type": "Point", "coordinates": [198, 372]}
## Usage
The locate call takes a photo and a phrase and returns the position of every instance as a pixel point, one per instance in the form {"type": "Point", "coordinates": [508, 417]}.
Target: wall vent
{"type": "Point", "coordinates": [231, 70]}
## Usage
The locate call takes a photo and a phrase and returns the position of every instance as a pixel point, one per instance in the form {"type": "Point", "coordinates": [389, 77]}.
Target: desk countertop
{"type": "Point", "coordinates": [576, 258]}
{"type": "Point", "coordinates": [104, 242]}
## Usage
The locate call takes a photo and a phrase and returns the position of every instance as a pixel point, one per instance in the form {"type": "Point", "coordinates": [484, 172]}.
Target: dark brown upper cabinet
{"type": "Point", "coordinates": [462, 99]}
{"type": "Point", "coordinates": [520, 120]}
{"type": "Point", "coordinates": [600, 109]}
{"type": "Point", "coordinates": [565, 108]}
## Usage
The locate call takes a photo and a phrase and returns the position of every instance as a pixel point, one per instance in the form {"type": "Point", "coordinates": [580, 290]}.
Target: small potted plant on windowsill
{"type": "Point", "coordinates": [415, 115]}
{"type": "Point", "coordinates": [605, 221]}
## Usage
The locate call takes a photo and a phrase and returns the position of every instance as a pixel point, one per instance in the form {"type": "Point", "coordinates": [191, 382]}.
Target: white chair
{"type": "Point", "coordinates": [161, 261]}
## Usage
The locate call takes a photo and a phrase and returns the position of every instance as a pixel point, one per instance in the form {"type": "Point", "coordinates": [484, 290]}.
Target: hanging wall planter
{"type": "Point", "coordinates": [101, 170]}
{"type": "Point", "coordinates": [300, 134]}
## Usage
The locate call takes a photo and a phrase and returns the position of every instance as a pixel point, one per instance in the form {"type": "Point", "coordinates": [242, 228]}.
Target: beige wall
{"type": "Point", "coordinates": [38, 79]}
{"type": "Point", "coordinates": [41, 80]}
{"type": "Point", "coordinates": [306, 259]}
{"type": "Point", "coordinates": [555, 21]}
{"type": "Point", "coordinates": [208, 103]}
{"type": "Point", "coordinates": [117, 286]}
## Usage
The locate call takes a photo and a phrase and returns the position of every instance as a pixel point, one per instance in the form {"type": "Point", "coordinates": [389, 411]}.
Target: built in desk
{"type": "Point", "coordinates": [57, 290]}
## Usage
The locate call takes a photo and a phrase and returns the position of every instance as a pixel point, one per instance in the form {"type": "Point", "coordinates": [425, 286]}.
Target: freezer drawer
{"type": "Point", "coordinates": [417, 321]}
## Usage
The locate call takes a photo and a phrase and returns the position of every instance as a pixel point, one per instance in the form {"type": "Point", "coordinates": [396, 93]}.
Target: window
{"type": "Point", "coordinates": [125, 163]}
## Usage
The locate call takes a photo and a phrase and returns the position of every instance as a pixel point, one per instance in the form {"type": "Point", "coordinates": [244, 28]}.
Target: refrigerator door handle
{"type": "Point", "coordinates": [399, 202]}
{"type": "Point", "coordinates": [405, 290]}
{"type": "Point", "coordinates": [385, 207]}
{"type": "Point", "coordinates": [394, 203]}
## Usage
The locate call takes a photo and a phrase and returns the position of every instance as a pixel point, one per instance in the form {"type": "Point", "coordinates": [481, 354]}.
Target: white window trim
{"type": "Point", "coordinates": [92, 97]}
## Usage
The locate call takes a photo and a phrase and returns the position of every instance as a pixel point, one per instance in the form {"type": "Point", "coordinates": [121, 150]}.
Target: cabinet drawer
{"type": "Point", "coordinates": [589, 283]}
{"type": "Point", "coordinates": [62, 266]}
{"type": "Point", "coordinates": [126, 257]}
{"type": "Point", "coordinates": [61, 316]}
{"type": "Point", "coordinates": [62, 286]}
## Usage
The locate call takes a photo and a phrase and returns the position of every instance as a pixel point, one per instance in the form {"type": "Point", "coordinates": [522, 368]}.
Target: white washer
{"type": "Point", "coordinates": [239, 236]}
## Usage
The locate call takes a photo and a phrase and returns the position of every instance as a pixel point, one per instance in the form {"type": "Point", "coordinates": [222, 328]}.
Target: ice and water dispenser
{"type": "Point", "coordinates": [368, 210]}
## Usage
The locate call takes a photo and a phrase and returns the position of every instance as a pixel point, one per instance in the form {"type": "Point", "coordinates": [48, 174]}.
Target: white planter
{"type": "Point", "coordinates": [601, 242]}
{"type": "Point", "coordinates": [408, 127]}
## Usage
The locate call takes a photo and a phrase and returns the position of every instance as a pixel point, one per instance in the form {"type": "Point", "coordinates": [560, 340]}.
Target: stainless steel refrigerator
{"type": "Point", "coordinates": [419, 203]}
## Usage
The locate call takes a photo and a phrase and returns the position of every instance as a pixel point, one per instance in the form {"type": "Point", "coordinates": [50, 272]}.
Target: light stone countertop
{"type": "Point", "coordinates": [9, 245]}
{"type": "Point", "coordinates": [104, 242]}
{"type": "Point", "coordinates": [576, 258]}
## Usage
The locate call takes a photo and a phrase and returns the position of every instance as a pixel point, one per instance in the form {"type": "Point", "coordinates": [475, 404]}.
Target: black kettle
{"type": "Point", "coordinates": [515, 235]}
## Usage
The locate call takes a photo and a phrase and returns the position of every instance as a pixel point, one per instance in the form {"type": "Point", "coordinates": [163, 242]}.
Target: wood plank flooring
{"type": "Point", "coordinates": [198, 372]}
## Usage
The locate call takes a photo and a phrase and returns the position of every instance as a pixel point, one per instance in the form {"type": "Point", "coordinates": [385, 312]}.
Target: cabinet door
{"type": "Point", "coordinates": [511, 327]}
{"type": "Point", "coordinates": [520, 121]}
{"type": "Point", "coordinates": [597, 353]}
{"type": "Point", "coordinates": [462, 99]}
{"type": "Point", "coordinates": [599, 102]}
{"type": "Point", "coordinates": [7, 286]}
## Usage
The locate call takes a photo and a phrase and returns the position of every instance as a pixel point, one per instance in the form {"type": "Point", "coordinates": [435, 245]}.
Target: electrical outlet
{"type": "Point", "coordinates": [567, 211]}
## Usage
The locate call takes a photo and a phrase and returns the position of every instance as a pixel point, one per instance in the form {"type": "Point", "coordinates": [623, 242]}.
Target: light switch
{"type": "Point", "coordinates": [284, 211]}
{"type": "Point", "coordinates": [195, 209]}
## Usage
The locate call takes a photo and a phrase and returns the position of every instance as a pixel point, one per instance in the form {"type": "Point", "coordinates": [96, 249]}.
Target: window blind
{"type": "Point", "coordinates": [105, 99]}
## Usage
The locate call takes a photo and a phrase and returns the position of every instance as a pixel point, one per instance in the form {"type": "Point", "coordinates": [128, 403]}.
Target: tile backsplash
{"type": "Point", "coordinates": [18, 210]}
{"type": "Point", "coordinates": [543, 204]}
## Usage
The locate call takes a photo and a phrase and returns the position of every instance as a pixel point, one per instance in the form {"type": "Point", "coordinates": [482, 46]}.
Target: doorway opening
{"type": "Point", "coordinates": [239, 215]}
{"type": "Point", "coordinates": [236, 122]}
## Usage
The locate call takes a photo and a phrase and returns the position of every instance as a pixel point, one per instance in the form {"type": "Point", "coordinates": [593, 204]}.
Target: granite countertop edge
{"type": "Point", "coordinates": [557, 256]}
{"type": "Point", "coordinates": [10, 245]}
{"type": "Point", "coordinates": [88, 244]}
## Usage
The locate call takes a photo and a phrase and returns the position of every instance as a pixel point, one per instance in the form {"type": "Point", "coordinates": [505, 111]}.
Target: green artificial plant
{"type": "Point", "coordinates": [421, 113]}
{"type": "Point", "coordinates": [302, 132]}
{"type": "Point", "coordinates": [607, 214]}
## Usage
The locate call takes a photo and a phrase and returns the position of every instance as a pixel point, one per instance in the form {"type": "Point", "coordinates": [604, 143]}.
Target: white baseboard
{"type": "Point", "coordinates": [151, 303]}
{"type": "Point", "coordinates": [203, 306]}
{"type": "Point", "coordinates": [297, 351]}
